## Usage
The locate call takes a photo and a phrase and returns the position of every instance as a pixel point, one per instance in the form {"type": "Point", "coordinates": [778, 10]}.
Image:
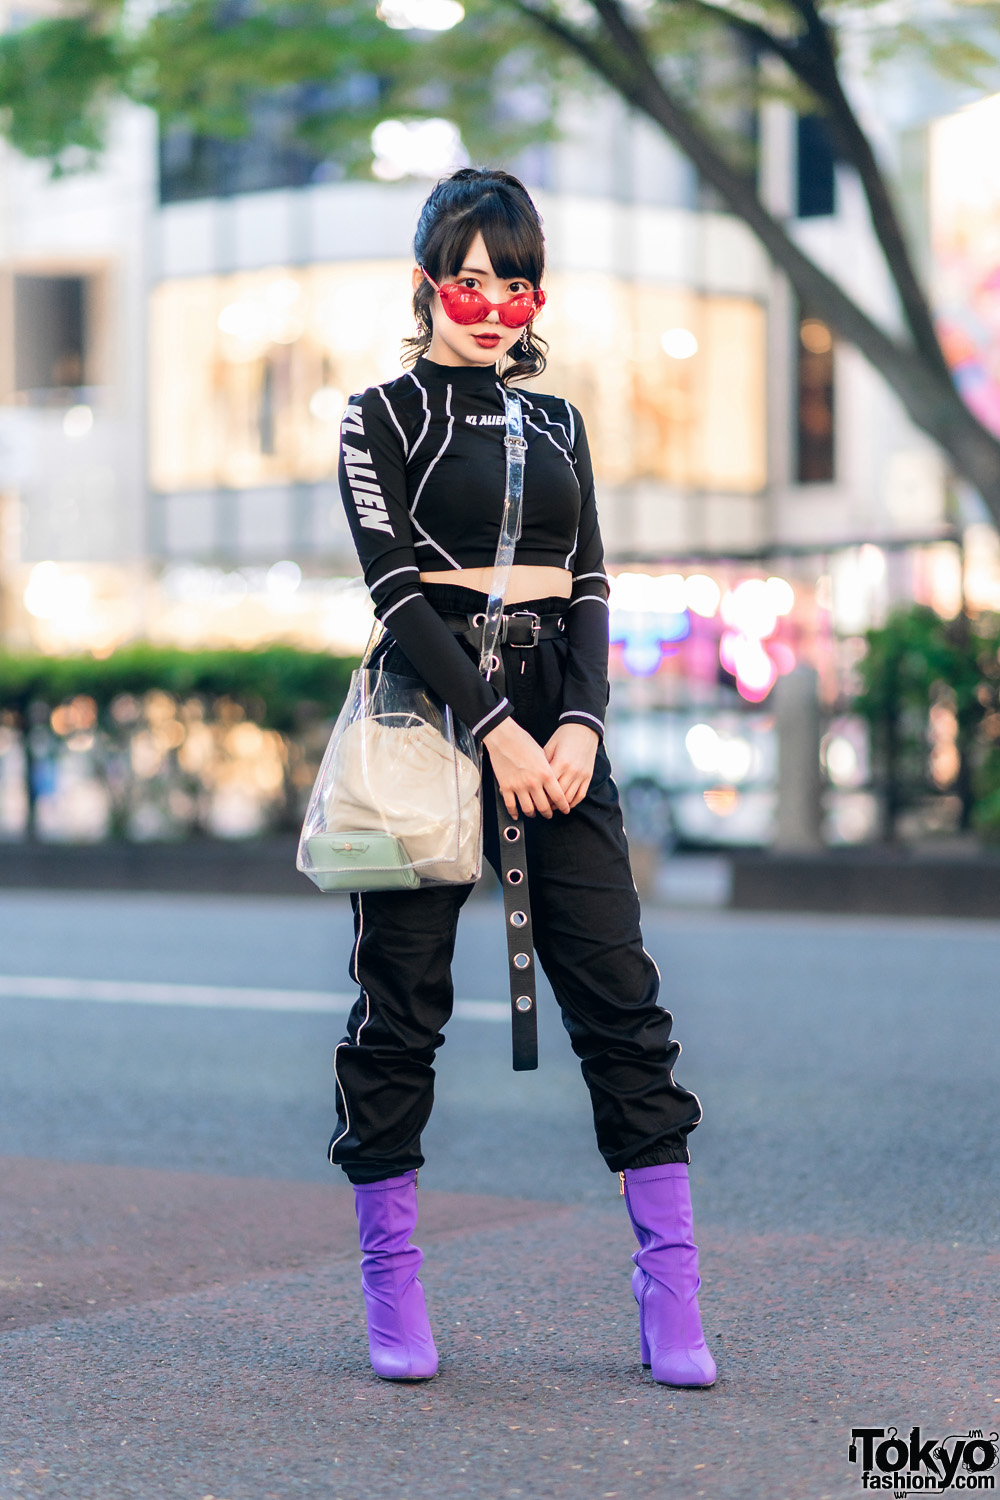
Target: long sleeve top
{"type": "Point", "coordinates": [423, 476]}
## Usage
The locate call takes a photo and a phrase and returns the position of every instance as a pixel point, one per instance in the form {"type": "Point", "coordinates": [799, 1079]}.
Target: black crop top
{"type": "Point", "coordinates": [422, 476]}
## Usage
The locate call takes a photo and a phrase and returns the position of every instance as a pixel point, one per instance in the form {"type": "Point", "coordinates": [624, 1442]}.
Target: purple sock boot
{"type": "Point", "coordinates": [399, 1336]}
{"type": "Point", "coordinates": [666, 1281]}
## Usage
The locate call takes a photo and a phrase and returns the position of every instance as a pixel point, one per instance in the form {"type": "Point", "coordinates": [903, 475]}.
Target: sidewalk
{"type": "Point", "coordinates": [171, 1336]}
{"type": "Point", "coordinates": [878, 882]}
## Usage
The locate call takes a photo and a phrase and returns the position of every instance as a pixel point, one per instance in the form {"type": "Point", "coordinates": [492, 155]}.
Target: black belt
{"type": "Point", "coordinates": [520, 628]}
{"type": "Point", "coordinates": [520, 946]}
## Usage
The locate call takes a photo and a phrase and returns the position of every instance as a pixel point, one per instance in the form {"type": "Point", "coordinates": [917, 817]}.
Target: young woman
{"type": "Point", "coordinates": [422, 475]}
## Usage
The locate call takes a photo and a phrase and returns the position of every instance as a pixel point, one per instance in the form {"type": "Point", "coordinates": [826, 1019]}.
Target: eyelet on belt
{"type": "Point", "coordinates": [478, 620]}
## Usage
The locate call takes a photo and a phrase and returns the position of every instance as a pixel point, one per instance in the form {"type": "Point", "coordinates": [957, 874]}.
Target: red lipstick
{"type": "Point", "coordinates": [487, 340]}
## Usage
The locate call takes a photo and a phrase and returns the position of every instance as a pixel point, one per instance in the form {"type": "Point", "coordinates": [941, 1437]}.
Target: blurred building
{"type": "Point", "coordinates": [179, 331]}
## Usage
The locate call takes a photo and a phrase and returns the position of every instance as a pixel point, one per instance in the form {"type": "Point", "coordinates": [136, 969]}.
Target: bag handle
{"type": "Point", "coordinates": [510, 530]}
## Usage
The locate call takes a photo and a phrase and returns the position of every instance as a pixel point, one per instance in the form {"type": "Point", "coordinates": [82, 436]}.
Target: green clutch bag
{"type": "Point", "coordinates": [366, 860]}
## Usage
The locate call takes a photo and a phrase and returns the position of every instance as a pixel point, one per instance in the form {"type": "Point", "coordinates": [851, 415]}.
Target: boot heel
{"type": "Point", "coordinates": [400, 1341]}
{"type": "Point", "coordinates": [639, 1284]}
{"type": "Point", "coordinates": [666, 1281]}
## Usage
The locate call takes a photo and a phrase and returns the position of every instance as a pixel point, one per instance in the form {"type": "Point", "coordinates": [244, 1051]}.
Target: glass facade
{"type": "Point", "coordinates": [816, 169]}
{"type": "Point", "coordinates": [273, 152]}
{"type": "Point", "coordinates": [815, 401]}
{"type": "Point", "coordinates": [249, 374]}
{"type": "Point", "coordinates": [965, 237]}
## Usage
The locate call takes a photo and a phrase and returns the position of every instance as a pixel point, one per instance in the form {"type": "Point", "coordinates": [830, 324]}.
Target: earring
{"type": "Point", "coordinates": [525, 345]}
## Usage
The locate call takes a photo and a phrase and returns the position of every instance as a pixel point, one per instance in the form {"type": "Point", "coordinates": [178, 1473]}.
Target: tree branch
{"type": "Point", "coordinates": [751, 30]}
{"type": "Point", "coordinates": [856, 148]}
{"type": "Point", "coordinates": [814, 63]}
{"type": "Point", "coordinates": [923, 385]}
{"type": "Point", "coordinates": [570, 37]}
{"type": "Point", "coordinates": [644, 88]}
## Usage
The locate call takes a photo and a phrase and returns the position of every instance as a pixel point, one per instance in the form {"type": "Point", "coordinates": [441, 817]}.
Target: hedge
{"type": "Point", "coordinates": [913, 661]}
{"type": "Point", "coordinates": [280, 687]}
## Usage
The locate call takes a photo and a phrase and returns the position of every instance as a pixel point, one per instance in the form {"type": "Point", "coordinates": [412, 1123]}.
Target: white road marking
{"type": "Point", "coordinates": [230, 997]}
{"type": "Point", "coordinates": [483, 1010]}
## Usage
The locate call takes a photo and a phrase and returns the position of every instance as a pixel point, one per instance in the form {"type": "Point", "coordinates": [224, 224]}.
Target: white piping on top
{"type": "Point", "coordinates": [428, 541]}
{"type": "Point", "coordinates": [556, 445]}
{"type": "Point", "coordinates": [399, 604]}
{"type": "Point", "coordinates": [427, 413]}
{"type": "Point", "coordinates": [551, 422]}
{"type": "Point", "coordinates": [378, 582]}
{"type": "Point", "coordinates": [430, 467]}
{"type": "Point", "coordinates": [395, 421]}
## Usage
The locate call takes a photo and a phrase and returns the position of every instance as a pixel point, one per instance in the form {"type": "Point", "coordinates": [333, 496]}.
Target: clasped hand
{"type": "Point", "coordinates": [544, 779]}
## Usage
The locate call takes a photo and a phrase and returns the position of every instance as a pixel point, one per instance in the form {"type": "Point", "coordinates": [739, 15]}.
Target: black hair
{"type": "Point", "coordinates": [479, 200]}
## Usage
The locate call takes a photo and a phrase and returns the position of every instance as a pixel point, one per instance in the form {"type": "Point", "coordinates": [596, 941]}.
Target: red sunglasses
{"type": "Point", "coordinates": [464, 304]}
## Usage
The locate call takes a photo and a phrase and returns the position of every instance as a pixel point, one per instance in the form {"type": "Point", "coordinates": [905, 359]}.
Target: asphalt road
{"type": "Point", "coordinates": [848, 1072]}
{"type": "Point", "coordinates": [847, 1069]}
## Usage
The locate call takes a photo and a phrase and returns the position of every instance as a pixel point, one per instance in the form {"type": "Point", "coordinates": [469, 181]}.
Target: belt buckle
{"type": "Point", "coordinates": [526, 616]}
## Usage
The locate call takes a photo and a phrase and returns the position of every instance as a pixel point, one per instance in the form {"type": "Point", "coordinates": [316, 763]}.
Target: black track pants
{"type": "Point", "coordinates": [585, 913]}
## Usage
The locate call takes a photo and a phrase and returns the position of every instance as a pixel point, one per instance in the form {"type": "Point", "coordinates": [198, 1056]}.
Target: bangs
{"type": "Point", "coordinates": [511, 233]}
{"type": "Point", "coordinates": [490, 202]}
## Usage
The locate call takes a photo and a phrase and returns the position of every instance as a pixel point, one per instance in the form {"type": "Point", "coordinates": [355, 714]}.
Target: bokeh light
{"type": "Point", "coordinates": [78, 421]}
{"type": "Point", "coordinates": [679, 343]}
{"type": "Point", "coordinates": [420, 15]}
{"type": "Point", "coordinates": [702, 595]}
{"type": "Point", "coordinates": [416, 148]}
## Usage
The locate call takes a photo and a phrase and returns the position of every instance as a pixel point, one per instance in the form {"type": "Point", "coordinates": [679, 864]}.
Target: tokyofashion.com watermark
{"type": "Point", "coordinates": [918, 1466]}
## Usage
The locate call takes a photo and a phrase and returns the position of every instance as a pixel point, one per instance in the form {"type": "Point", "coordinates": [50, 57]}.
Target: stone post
{"type": "Point", "coordinates": [797, 711]}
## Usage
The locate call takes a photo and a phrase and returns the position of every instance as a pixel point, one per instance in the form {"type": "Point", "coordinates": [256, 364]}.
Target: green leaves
{"type": "Point", "coordinates": [916, 663]}
{"type": "Point", "coordinates": [697, 69]}
{"type": "Point", "coordinates": [499, 74]}
{"type": "Point", "coordinates": [204, 63]}
{"type": "Point", "coordinates": [915, 650]}
{"type": "Point", "coordinates": [57, 79]}
{"type": "Point", "coordinates": [277, 686]}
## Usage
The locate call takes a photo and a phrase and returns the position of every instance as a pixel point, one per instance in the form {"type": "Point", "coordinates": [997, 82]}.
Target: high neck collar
{"type": "Point", "coordinates": [464, 377]}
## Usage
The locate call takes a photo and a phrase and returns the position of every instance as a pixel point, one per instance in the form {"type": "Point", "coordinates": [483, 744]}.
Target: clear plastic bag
{"type": "Point", "coordinates": [397, 803]}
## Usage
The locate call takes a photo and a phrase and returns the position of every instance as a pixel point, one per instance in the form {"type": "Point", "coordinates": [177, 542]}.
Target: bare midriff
{"type": "Point", "coordinates": [526, 582]}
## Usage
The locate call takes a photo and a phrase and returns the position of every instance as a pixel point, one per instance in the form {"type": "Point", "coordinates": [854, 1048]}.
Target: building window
{"type": "Point", "coordinates": [249, 374]}
{"type": "Point", "coordinates": [816, 184]}
{"type": "Point", "coordinates": [815, 402]}
{"type": "Point", "coordinates": [274, 153]}
{"type": "Point", "coordinates": [198, 166]}
{"type": "Point", "coordinates": [51, 333]}
{"type": "Point", "coordinates": [964, 214]}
